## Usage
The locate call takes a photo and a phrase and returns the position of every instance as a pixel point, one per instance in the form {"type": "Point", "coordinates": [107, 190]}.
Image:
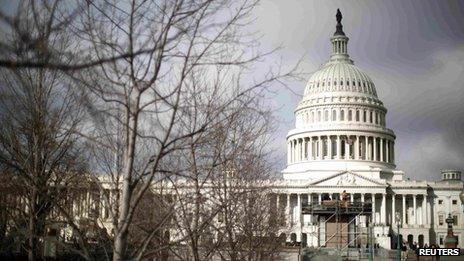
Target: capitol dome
{"type": "Point", "coordinates": [340, 122]}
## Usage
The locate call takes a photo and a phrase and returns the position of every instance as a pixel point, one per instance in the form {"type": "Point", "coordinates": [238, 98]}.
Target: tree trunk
{"type": "Point", "coordinates": [32, 243]}
{"type": "Point", "coordinates": [120, 242]}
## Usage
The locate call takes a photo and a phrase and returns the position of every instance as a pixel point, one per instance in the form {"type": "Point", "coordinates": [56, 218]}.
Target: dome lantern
{"type": "Point", "coordinates": [339, 42]}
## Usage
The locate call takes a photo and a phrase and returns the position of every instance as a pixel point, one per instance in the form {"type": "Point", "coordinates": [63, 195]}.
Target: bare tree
{"type": "Point", "coordinates": [40, 116]}
{"type": "Point", "coordinates": [50, 17]}
{"type": "Point", "coordinates": [155, 111]}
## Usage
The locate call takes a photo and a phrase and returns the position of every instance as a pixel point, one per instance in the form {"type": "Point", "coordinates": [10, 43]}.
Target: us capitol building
{"type": "Point", "coordinates": [341, 143]}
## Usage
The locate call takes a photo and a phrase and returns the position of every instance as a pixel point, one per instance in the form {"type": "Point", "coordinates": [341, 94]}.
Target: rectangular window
{"type": "Point", "coordinates": [441, 239]}
{"type": "Point", "coordinates": [455, 202]}
{"type": "Point", "coordinates": [440, 202]}
{"type": "Point", "coordinates": [440, 220]}
{"type": "Point", "coordinates": [455, 220]}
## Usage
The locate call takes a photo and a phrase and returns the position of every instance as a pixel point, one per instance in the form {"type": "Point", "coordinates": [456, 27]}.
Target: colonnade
{"type": "Point", "coordinates": [354, 147]}
{"type": "Point", "coordinates": [415, 217]}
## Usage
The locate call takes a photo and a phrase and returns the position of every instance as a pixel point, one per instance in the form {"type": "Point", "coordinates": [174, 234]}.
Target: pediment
{"type": "Point", "coordinates": [347, 179]}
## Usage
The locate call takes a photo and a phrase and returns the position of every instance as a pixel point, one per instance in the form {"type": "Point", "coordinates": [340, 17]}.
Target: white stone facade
{"type": "Point", "coordinates": [341, 142]}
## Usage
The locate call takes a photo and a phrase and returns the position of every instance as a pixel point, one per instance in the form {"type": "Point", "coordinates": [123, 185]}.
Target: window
{"type": "Point", "coordinates": [376, 118]}
{"type": "Point", "coordinates": [371, 118]}
{"type": "Point", "coordinates": [341, 83]}
{"type": "Point", "coordinates": [455, 220]}
{"type": "Point", "coordinates": [354, 83]}
{"type": "Point", "coordinates": [357, 115]}
{"type": "Point", "coordinates": [440, 202]}
{"type": "Point", "coordinates": [319, 116]}
{"type": "Point", "coordinates": [350, 115]}
{"type": "Point", "coordinates": [342, 115]}
{"type": "Point", "coordinates": [335, 83]}
{"type": "Point", "coordinates": [441, 219]}
{"type": "Point", "coordinates": [365, 116]}
{"type": "Point", "coordinates": [326, 115]}
{"type": "Point", "coordinates": [334, 115]}
{"type": "Point", "coordinates": [441, 239]}
{"type": "Point", "coordinates": [347, 83]}
{"type": "Point", "coordinates": [455, 202]}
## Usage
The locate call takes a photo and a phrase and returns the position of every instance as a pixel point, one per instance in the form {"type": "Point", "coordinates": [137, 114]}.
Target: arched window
{"type": "Point", "coordinates": [347, 83]}
{"type": "Point", "coordinates": [319, 116]}
{"type": "Point", "coordinates": [370, 117]}
{"type": "Point", "coordinates": [350, 115]}
{"type": "Point", "coordinates": [342, 115]}
{"type": "Point", "coordinates": [341, 83]}
{"type": "Point", "coordinates": [312, 116]}
{"type": "Point", "coordinates": [357, 115]}
{"type": "Point", "coordinates": [354, 83]}
{"type": "Point", "coordinates": [365, 116]}
{"type": "Point", "coordinates": [334, 115]}
{"type": "Point", "coordinates": [326, 115]}
{"type": "Point", "coordinates": [376, 118]}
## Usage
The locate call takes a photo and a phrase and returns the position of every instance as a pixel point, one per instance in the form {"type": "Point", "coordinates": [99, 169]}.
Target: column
{"type": "Point", "coordinates": [289, 153]}
{"type": "Point", "coordinates": [298, 202]}
{"type": "Point", "coordinates": [383, 214]}
{"type": "Point", "coordinates": [319, 198]}
{"type": "Point", "coordinates": [339, 145]}
{"type": "Point", "coordinates": [424, 209]}
{"type": "Point", "coordinates": [300, 149]}
{"type": "Point", "coordinates": [310, 154]}
{"type": "Point", "coordinates": [310, 200]}
{"type": "Point", "coordinates": [292, 159]}
{"type": "Point", "coordinates": [347, 148]}
{"type": "Point", "coordinates": [387, 148]}
{"type": "Point", "coordinates": [277, 203]}
{"type": "Point", "coordinates": [429, 214]}
{"type": "Point", "coordinates": [351, 197]}
{"type": "Point", "coordinates": [366, 155]}
{"type": "Point", "coordinates": [373, 209]}
{"type": "Point", "coordinates": [320, 147]}
{"type": "Point", "coordinates": [374, 147]}
{"type": "Point", "coordinates": [305, 147]}
{"type": "Point", "coordinates": [356, 147]}
{"type": "Point", "coordinates": [414, 209]}
{"type": "Point", "coordinates": [329, 147]}
{"type": "Point", "coordinates": [287, 210]}
{"type": "Point", "coordinates": [362, 197]}
{"type": "Point", "coordinates": [393, 152]}
{"type": "Point", "coordinates": [297, 158]}
{"type": "Point", "coordinates": [381, 149]}
{"type": "Point", "coordinates": [403, 221]}
{"type": "Point", "coordinates": [393, 212]}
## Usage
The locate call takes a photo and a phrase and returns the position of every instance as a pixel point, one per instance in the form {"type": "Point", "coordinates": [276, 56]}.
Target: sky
{"type": "Point", "coordinates": [413, 51]}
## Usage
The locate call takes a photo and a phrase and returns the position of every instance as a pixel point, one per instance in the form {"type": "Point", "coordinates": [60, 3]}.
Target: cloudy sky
{"type": "Point", "coordinates": [413, 51]}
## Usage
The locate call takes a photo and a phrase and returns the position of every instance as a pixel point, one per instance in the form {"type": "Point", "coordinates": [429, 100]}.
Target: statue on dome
{"type": "Point", "coordinates": [339, 24]}
{"type": "Point", "coordinates": [339, 16]}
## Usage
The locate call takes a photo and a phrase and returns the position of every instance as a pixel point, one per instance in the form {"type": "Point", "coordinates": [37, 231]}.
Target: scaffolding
{"type": "Point", "coordinates": [336, 222]}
